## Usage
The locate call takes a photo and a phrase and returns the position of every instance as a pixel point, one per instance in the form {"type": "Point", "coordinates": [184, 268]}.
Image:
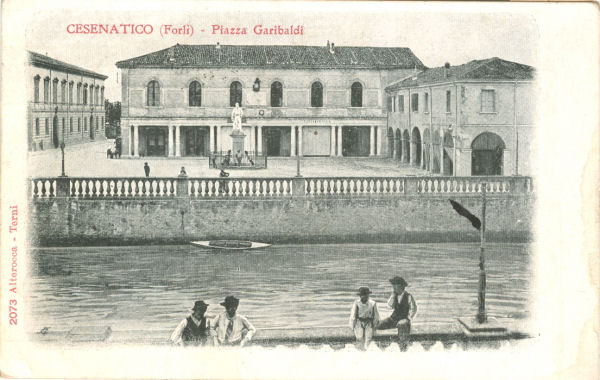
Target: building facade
{"type": "Point", "coordinates": [66, 103]}
{"type": "Point", "coordinates": [297, 100]}
{"type": "Point", "coordinates": [471, 119]}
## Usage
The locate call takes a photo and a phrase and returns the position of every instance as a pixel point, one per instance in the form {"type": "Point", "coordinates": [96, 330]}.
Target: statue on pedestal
{"type": "Point", "coordinates": [236, 117]}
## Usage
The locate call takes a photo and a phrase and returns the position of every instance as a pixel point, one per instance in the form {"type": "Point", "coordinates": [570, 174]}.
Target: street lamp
{"type": "Point", "coordinates": [298, 175]}
{"type": "Point", "coordinates": [62, 151]}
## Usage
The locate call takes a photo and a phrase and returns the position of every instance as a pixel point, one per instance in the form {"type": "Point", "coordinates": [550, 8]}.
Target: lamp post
{"type": "Point", "coordinates": [298, 175]}
{"type": "Point", "coordinates": [62, 151]}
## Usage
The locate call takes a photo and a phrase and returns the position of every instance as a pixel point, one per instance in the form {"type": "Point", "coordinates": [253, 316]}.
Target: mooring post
{"type": "Point", "coordinates": [481, 314]}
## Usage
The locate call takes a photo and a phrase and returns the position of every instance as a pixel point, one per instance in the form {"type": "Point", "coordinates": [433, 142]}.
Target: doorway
{"type": "Point", "coordinates": [355, 141]}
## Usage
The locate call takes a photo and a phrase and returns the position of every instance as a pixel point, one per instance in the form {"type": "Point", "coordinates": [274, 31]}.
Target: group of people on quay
{"type": "Point", "coordinates": [232, 329]}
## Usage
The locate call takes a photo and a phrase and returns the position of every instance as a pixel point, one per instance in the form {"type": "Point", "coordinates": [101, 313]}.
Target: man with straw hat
{"type": "Point", "coordinates": [364, 317]}
{"type": "Point", "coordinates": [193, 330]}
{"type": "Point", "coordinates": [230, 328]}
{"type": "Point", "coordinates": [404, 311]}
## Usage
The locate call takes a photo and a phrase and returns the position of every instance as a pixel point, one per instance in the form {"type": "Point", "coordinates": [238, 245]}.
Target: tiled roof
{"type": "Point", "coordinates": [277, 56]}
{"type": "Point", "coordinates": [491, 69]}
{"type": "Point", "coordinates": [41, 60]}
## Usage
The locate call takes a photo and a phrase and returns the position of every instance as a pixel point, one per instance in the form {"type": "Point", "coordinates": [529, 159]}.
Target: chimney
{"type": "Point", "coordinates": [446, 69]}
{"type": "Point", "coordinates": [332, 49]}
{"type": "Point", "coordinates": [328, 45]}
{"type": "Point", "coordinates": [171, 57]}
{"type": "Point", "coordinates": [218, 46]}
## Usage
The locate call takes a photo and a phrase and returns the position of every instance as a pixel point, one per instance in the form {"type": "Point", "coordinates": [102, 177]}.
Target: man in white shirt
{"type": "Point", "coordinates": [404, 311]}
{"type": "Point", "coordinates": [193, 330]}
{"type": "Point", "coordinates": [230, 328]}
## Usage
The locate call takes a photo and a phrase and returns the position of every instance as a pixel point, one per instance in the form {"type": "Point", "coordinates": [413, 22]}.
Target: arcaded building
{"type": "Point", "coordinates": [297, 100]}
{"type": "Point", "coordinates": [66, 103]}
{"type": "Point", "coordinates": [470, 119]}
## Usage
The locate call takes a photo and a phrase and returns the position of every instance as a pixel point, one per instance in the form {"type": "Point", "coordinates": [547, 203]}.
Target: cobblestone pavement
{"type": "Point", "coordinates": [90, 160]}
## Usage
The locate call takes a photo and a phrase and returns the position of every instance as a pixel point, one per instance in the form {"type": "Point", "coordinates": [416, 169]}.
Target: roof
{"type": "Point", "coordinates": [40, 60]}
{"type": "Point", "coordinates": [277, 56]}
{"type": "Point", "coordinates": [491, 69]}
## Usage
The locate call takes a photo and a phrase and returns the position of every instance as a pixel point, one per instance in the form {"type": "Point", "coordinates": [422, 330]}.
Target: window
{"type": "Point", "coordinates": [448, 101]}
{"type": "Point", "coordinates": [235, 94]}
{"type": "Point", "coordinates": [96, 123]}
{"type": "Point", "coordinates": [316, 94]}
{"type": "Point", "coordinates": [36, 89]}
{"type": "Point", "coordinates": [46, 130]}
{"type": "Point", "coordinates": [85, 124]}
{"type": "Point", "coordinates": [96, 96]}
{"type": "Point", "coordinates": [63, 126]}
{"type": "Point", "coordinates": [78, 124]}
{"type": "Point", "coordinates": [390, 103]}
{"type": "Point", "coordinates": [102, 96]}
{"type": "Point", "coordinates": [71, 125]}
{"type": "Point", "coordinates": [70, 92]}
{"type": "Point", "coordinates": [426, 102]}
{"type": "Point", "coordinates": [102, 124]}
{"type": "Point", "coordinates": [414, 102]}
{"type": "Point", "coordinates": [46, 90]}
{"type": "Point", "coordinates": [55, 91]}
{"type": "Point", "coordinates": [488, 101]}
{"type": "Point", "coordinates": [63, 92]}
{"type": "Point", "coordinates": [356, 95]}
{"type": "Point", "coordinates": [78, 93]}
{"type": "Point", "coordinates": [85, 94]}
{"type": "Point", "coordinates": [276, 94]}
{"type": "Point", "coordinates": [91, 95]}
{"type": "Point", "coordinates": [401, 103]}
{"type": "Point", "coordinates": [153, 94]}
{"type": "Point", "coordinates": [37, 127]}
{"type": "Point", "coordinates": [195, 94]}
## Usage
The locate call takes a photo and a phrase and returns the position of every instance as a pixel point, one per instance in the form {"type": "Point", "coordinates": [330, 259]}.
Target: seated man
{"type": "Point", "coordinates": [193, 330]}
{"type": "Point", "coordinates": [230, 328]}
{"type": "Point", "coordinates": [404, 311]}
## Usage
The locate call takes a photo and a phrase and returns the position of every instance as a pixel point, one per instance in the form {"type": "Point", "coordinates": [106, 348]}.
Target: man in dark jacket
{"type": "Point", "coordinates": [193, 330]}
{"type": "Point", "coordinates": [404, 310]}
{"type": "Point", "coordinates": [147, 169]}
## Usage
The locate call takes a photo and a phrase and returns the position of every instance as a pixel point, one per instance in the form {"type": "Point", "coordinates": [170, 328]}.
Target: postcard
{"type": "Point", "coordinates": [311, 190]}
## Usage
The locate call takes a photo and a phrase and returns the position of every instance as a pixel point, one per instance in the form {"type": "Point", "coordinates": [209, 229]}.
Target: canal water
{"type": "Point", "coordinates": [152, 287]}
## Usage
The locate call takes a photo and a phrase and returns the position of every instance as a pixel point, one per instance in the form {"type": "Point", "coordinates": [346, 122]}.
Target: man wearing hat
{"type": "Point", "coordinates": [230, 328]}
{"type": "Point", "coordinates": [364, 317]}
{"type": "Point", "coordinates": [193, 330]}
{"type": "Point", "coordinates": [404, 311]}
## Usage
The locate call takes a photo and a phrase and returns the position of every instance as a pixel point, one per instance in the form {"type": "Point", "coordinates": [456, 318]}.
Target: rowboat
{"type": "Point", "coordinates": [229, 244]}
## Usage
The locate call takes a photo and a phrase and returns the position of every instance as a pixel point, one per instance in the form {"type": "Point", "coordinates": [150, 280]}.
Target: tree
{"type": "Point", "coordinates": [113, 118]}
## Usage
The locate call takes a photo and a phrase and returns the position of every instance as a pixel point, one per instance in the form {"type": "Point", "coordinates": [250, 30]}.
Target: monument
{"type": "Point", "coordinates": [237, 136]}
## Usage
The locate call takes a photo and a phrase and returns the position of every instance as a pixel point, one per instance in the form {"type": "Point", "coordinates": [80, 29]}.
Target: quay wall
{"type": "Point", "coordinates": [405, 217]}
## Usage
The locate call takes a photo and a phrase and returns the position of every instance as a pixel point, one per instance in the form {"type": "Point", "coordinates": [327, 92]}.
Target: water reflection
{"type": "Point", "coordinates": [291, 285]}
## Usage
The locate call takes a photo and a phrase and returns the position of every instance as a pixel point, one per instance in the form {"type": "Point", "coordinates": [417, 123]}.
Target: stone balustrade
{"type": "Point", "coordinates": [166, 187]}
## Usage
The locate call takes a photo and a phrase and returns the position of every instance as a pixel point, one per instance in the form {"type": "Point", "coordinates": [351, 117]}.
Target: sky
{"type": "Point", "coordinates": [456, 35]}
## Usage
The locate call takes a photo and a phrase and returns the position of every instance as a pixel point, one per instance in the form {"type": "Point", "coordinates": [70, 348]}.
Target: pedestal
{"type": "Point", "coordinates": [237, 142]}
{"type": "Point", "coordinates": [490, 329]}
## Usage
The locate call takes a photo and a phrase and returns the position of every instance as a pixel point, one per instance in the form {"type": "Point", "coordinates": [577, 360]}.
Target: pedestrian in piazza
{"type": "Point", "coordinates": [147, 169]}
{"type": "Point", "coordinates": [194, 330]}
{"type": "Point", "coordinates": [230, 328]}
{"type": "Point", "coordinates": [364, 318]}
{"type": "Point", "coordinates": [404, 310]}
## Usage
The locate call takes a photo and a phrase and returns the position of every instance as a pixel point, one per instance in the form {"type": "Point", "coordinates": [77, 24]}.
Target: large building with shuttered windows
{"type": "Point", "coordinates": [66, 103]}
{"type": "Point", "coordinates": [470, 119]}
{"type": "Point", "coordinates": [297, 100]}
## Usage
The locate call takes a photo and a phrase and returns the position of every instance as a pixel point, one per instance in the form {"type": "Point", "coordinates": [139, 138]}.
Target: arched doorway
{"type": "Point", "coordinates": [406, 145]}
{"type": "Point", "coordinates": [436, 142]}
{"type": "Point", "coordinates": [448, 154]}
{"type": "Point", "coordinates": [416, 139]}
{"type": "Point", "coordinates": [487, 157]}
{"type": "Point", "coordinates": [91, 127]}
{"type": "Point", "coordinates": [390, 136]}
{"type": "Point", "coordinates": [427, 149]}
{"type": "Point", "coordinates": [55, 131]}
